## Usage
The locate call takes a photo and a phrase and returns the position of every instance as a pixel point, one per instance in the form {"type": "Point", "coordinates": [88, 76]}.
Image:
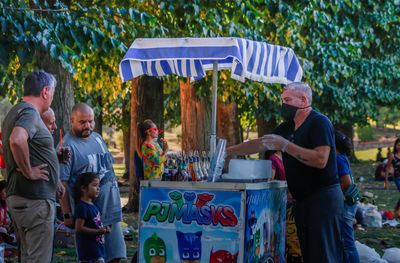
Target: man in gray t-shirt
{"type": "Point", "coordinates": [32, 168]}
{"type": "Point", "coordinates": [89, 153]}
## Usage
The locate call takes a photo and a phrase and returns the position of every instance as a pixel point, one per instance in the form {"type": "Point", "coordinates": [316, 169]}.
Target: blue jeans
{"type": "Point", "coordinates": [397, 182]}
{"type": "Point", "coordinates": [350, 250]}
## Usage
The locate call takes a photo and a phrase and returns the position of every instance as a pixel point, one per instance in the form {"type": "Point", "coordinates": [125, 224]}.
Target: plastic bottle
{"type": "Point", "coordinates": [173, 171]}
{"type": "Point", "coordinates": [217, 161]}
{"type": "Point", "coordinates": [204, 166]}
{"type": "Point", "coordinates": [165, 175]}
{"type": "Point", "coordinates": [199, 172]}
{"type": "Point", "coordinates": [191, 169]}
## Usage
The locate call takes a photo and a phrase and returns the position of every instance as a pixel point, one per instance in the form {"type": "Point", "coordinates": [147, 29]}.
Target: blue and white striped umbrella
{"type": "Point", "coordinates": [191, 57]}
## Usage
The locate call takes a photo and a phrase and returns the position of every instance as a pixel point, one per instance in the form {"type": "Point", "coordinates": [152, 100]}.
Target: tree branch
{"type": "Point", "coordinates": [39, 10]}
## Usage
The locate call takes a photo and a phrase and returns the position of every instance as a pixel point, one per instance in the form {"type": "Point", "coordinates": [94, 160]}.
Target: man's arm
{"type": "Point", "coordinates": [246, 148]}
{"type": "Point", "coordinates": [66, 207]}
{"type": "Point", "coordinates": [345, 182]}
{"type": "Point", "coordinates": [20, 150]}
{"type": "Point", "coordinates": [317, 157]}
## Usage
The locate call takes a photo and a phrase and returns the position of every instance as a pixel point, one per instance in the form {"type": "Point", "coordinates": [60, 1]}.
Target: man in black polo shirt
{"type": "Point", "coordinates": [307, 141]}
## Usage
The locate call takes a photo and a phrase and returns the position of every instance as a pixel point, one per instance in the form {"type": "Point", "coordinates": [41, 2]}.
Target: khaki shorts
{"type": "Point", "coordinates": [35, 222]}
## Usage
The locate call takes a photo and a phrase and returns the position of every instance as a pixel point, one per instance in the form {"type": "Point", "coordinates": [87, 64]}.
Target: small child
{"type": "Point", "coordinates": [88, 226]}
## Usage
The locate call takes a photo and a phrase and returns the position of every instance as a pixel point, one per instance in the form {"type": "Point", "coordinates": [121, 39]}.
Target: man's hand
{"type": "Point", "coordinates": [37, 173]}
{"type": "Point", "coordinates": [63, 159]}
{"type": "Point", "coordinates": [105, 230]}
{"type": "Point", "coordinates": [275, 142]}
{"type": "Point", "coordinates": [60, 190]}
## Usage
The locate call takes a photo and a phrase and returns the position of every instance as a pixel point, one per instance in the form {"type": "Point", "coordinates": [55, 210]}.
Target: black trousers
{"type": "Point", "coordinates": [319, 226]}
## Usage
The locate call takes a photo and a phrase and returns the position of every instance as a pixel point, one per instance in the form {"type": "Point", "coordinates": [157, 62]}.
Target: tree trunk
{"type": "Point", "coordinates": [348, 130]}
{"type": "Point", "coordinates": [64, 95]}
{"type": "Point", "coordinates": [97, 96]}
{"type": "Point", "coordinates": [147, 102]}
{"type": "Point", "coordinates": [195, 119]}
{"type": "Point", "coordinates": [126, 137]}
{"type": "Point", "coordinates": [228, 125]}
{"type": "Point", "coordinates": [126, 131]}
{"type": "Point", "coordinates": [265, 127]}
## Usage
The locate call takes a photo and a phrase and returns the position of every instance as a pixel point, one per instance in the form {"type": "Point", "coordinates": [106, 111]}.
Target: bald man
{"type": "Point", "coordinates": [89, 153]}
{"type": "Point", "coordinates": [49, 120]}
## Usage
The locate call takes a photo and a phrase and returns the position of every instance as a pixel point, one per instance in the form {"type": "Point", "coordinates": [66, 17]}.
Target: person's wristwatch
{"type": "Point", "coordinates": [68, 215]}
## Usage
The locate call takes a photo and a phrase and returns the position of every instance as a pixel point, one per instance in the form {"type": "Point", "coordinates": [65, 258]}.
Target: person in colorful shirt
{"type": "Point", "coordinates": [152, 154]}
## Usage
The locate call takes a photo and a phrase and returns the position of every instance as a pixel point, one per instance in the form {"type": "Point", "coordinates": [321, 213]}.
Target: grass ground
{"type": "Point", "coordinates": [379, 239]}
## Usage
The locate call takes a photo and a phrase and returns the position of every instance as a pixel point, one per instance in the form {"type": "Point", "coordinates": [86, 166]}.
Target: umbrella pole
{"type": "Point", "coordinates": [213, 138]}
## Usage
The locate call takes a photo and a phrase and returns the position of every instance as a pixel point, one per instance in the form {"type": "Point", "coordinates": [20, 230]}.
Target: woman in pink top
{"type": "Point", "coordinates": [278, 171]}
{"type": "Point", "coordinates": [2, 163]}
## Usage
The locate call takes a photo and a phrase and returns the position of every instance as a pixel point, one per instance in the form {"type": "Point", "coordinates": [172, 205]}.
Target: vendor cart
{"type": "Point", "coordinates": [212, 222]}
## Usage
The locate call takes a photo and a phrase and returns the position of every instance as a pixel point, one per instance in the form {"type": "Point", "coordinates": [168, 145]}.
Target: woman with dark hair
{"type": "Point", "coordinates": [343, 150]}
{"type": "Point", "coordinates": [394, 163]}
{"type": "Point", "coordinates": [152, 154]}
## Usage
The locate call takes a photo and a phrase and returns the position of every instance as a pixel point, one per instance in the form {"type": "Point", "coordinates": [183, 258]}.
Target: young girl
{"type": "Point", "coordinates": [88, 226]}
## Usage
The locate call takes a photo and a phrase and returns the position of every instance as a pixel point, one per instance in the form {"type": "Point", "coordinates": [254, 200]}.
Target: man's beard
{"type": "Point", "coordinates": [79, 133]}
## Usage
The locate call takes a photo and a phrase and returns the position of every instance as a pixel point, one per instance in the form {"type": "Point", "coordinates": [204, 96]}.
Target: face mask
{"type": "Point", "coordinates": [289, 111]}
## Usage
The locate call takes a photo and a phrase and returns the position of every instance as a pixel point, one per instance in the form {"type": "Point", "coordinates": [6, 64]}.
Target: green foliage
{"type": "Point", "coordinates": [119, 140]}
{"type": "Point", "coordinates": [5, 106]}
{"type": "Point", "coordinates": [87, 39]}
{"type": "Point", "coordinates": [348, 49]}
{"type": "Point", "coordinates": [388, 116]}
{"type": "Point", "coordinates": [365, 133]}
{"type": "Point", "coordinates": [352, 59]}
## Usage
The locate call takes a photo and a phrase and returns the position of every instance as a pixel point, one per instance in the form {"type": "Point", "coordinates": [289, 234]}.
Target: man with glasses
{"type": "Point", "coordinates": [307, 141]}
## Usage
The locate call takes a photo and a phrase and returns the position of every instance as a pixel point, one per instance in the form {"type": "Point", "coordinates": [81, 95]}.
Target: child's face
{"type": "Point", "coordinates": [93, 189]}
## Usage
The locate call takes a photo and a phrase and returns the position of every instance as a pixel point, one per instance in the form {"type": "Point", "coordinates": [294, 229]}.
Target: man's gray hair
{"type": "Point", "coordinates": [301, 87]}
{"type": "Point", "coordinates": [35, 81]}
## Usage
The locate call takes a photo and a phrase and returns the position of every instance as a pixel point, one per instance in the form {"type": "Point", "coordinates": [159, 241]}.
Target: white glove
{"type": "Point", "coordinates": [275, 142]}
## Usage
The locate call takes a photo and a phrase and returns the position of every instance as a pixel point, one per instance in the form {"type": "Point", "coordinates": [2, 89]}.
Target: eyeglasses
{"type": "Point", "coordinates": [152, 129]}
